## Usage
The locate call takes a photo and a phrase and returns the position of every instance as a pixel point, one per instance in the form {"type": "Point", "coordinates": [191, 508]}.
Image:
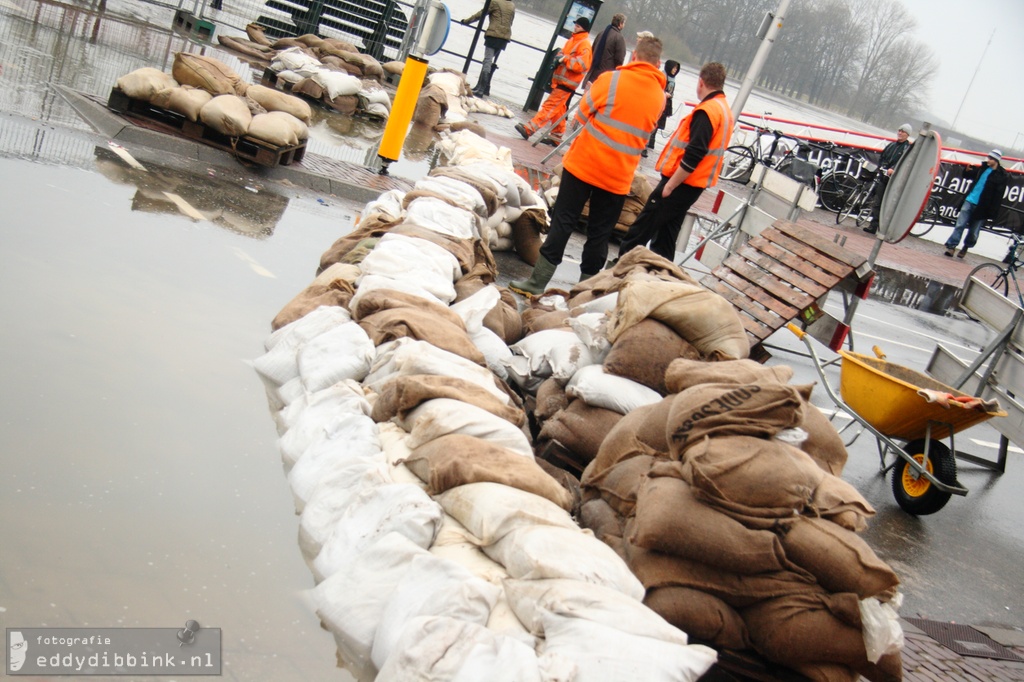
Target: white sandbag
{"type": "Point", "coordinates": [336, 83]}
{"type": "Point", "coordinates": [440, 649]}
{"type": "Point", "coordinates": [531, 599]}
{"type": "Point", "coordinates": [347, 397]}
{"type": "Point", "coordinates": [372, 514]}
{"type": "Point", "coordinates": [144, 83]}
{"type": "Point", "coordinates": [517, 370]}
{"type": "Point", "coordinates": [465, 145]}
{"type": "Point", "coordinates": [456, 191]}
{"type": "Point", "coordinates": [331, 496]}
{"type": "Point", "coordinates": [368, 283]}
{"type": "Point", "coordinates": [472, 558]}
{"type": "Point", "coordinates": [473, 309]}
{"type": "Point", "coordinates": [591, 327]}
{"type": "Point", "coordinates": [409, 356]}
{"type": "Point", "coordinates": [290, 76]}
{"type": "Point", "coordinates": [491, 510]}
{"type": "Point", "coordinates": [333, 415]}
{"type": "Point", "coordinates": [499, 177]}
{"type": "Point", "coordinates": [603, 653]}
{"type": "Point", "coordinates": [597, 388]}
{"type": "Point", "coordinates": [389, 203]}
{"type": "Point", "coordinates": [345, 352]}
{"type": "Point", "coordinates": [392, 442]}
{"type": "Point", "coordinates": [432, 587]}
{"type": "Point", "coordinates": [294, 59]}
{"type": "Point", "coordinates": [557, 353]}
{"type": "Point", "coordinates": [227, 114]}
{"type": "Point", "coordinates": [501, 243]}
{"type": "Point", "coordinates": [396, 254]}
{"type": "Point", "coordinates": [435, 214]}
{"type": "Point", "coordinates": [355, 438]}
{"type": "Point", "coordinates": [538, 551]}
{"type": "Point", "coordinates": [350, 602]}
{"type": "Point", "coordinates": [273, 99]}
{"type": "Point", "coordinates": [496, 353]}
{"type": "Point", "coordinates": [280, 363]}
{"type": "Point", "coordinates": [504, 229]}
{"type": "Point", "coordinates": [602, 304]}
{"type": "Point", "coordinates": [442, 416]}
{"type": "Point", "coordinates": [504, 621]}
{"type": "Point", "coordinates": [375, 99]}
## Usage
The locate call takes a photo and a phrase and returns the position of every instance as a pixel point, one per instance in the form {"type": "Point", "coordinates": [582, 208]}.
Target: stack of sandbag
{"type": "Point", "coordinates": [333, 77]}
{"type": "Point", "coordinates": [639, 191]}
{"type": "Point", "coordinates": [204, 89]}
{"type": "Point", "coordinates": [724, 498]}
{"type": "Point", "coordinates": [442, 549]}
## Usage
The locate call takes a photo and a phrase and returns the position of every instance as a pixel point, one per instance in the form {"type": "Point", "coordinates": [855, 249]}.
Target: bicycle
{"type": "Point", "coordinates": [738, 162]}
{"type": "Point", "coordinates": [930, 216]}
{"type": "Point", "coordinates": [833, 184]}
{"type": "Point", "coordinates": [859, 203]}
{"type": "Point", "coordinates": [999, 275]}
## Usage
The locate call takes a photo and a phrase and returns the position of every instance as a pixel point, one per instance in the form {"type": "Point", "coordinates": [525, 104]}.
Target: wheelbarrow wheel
{"type": "Point", "coordinates": [918, 496]}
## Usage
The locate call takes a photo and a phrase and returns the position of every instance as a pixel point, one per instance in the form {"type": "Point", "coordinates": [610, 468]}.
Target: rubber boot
{"type": "Point", "coordinates": [542, 273]}
{"type": "Point", "coordinates": [483, 85]}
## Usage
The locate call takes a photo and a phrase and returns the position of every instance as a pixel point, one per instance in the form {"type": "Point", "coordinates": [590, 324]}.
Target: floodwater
{"type": "Point", "coordinates": [141, 481]}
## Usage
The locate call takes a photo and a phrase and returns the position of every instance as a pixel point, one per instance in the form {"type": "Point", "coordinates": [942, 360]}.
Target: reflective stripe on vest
{"type": "Point", "coordinates": [706, 173]}
{"type": "Point", "coordinates": [638, 134]}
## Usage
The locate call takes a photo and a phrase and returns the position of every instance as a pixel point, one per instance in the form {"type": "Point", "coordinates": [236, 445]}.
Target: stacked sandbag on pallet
{"type": "Point", "coordinates": [441, 548]}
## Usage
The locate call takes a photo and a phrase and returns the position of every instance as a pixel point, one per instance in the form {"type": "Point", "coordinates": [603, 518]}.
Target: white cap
{"type": "Point", "coordinates": [995, 154]}
{"type": "Point", "coordinates": [907, 128]}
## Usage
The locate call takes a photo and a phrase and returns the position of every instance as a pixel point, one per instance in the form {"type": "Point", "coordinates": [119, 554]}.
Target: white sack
{"type": "Point", "coordinates": [355, 437]}
{"type": "Point", "coordinates": [442, 416]}
{"type": "Point", "coordinates": [368, 283]}
{"type": "Point", "coordinates": [597, 388]}
{"type": "Point", "coordinates": [331, 496]}
{"type": "Point", "coordinates": [336, 415]}
{"type": "Point", "coordinates": [557, 353]}
{"type": "Point", "coordinates": [409, 356]}
{"type": "Point", "coordinates": [473, 309]}
{"type": "Point", "coordinates": [491, 510]}
{"type": "Point", "coordinates": [336, 83]}
{"type": "Point", "coordinates": [435, 214]}
{"type": "Point", "coordinates": [345, 352]}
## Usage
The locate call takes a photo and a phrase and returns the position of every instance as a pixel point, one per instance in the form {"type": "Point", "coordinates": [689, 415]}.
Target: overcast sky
{"type": "Point", "coordinates": [957, 32]}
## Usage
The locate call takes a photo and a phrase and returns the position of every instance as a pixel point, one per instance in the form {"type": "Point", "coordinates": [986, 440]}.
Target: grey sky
{"type": "Point", "coordinates": [957, 32]}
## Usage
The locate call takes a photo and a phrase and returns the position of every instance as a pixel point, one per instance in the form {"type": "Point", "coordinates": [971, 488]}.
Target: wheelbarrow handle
{"type": "Point", "coordinates": [800, 333]}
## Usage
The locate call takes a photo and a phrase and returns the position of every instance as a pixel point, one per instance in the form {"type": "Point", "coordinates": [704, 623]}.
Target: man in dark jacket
{"type": "Point", "coordinates": [609, 50]}
{"type": "Point", "coordinates": [500, 15]}
{"type": "Point", "coordinates": [982, 202]}
{"type": "Point", "coordinates": [891, 155]}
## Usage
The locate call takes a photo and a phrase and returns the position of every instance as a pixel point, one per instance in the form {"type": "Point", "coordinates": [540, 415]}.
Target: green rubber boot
{"type": "Point", "coordinates": [542, 273]}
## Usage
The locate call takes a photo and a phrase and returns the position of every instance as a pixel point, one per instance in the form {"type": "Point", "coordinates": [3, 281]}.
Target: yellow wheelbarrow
{"type": "Point", "coordinates": [897, 403]}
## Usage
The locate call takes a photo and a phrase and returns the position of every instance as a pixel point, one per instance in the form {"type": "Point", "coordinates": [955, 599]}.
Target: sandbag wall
{"type": "Point", "coordinates": [203, 89]}
{"type": "Point", "coordinates": [441, 548]}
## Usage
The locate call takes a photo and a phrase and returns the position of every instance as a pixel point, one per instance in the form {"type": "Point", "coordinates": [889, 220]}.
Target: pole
{"type": "Point", "coordinates": [759, 59]}
{"type": "Point", "coordinates": [976, 70]}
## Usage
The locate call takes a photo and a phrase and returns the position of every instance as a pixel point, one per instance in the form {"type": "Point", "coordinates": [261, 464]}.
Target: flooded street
{"type": "Point", "coordinates": [142, 485]}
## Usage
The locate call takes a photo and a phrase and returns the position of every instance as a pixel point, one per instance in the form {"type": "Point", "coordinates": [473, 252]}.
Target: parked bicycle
{"type": "Point", "coordinates": [739, 160]}
{"type": "Point", "coordinates": [833, 184]}
{"type": "Point", "coordinates": [859, 202]}
{"type": "Point", "coordinates": [999, 275]}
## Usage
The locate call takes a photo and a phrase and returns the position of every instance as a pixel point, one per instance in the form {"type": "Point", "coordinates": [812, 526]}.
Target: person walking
{"type": "Point", "coordinates": [572, 63]}
{"type": "Point", "coordinates": [671, 69]}
{"type": "Point", "coordinates": [891, 155]}
{"type": "Point", "coordinates": [982, 202]}
{"type": "Point", "coordinates": [689, 164]}
{"type": "Point", "coordinates": [500, 15]}
{"type": "Point", "coordinates": [616, 117]}
{"type": "Point", "coordinates": [609, 50]}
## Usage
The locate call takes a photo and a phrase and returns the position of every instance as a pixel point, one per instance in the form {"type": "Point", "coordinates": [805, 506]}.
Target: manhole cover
{"type": "Point", "coordinates": [964, 639]}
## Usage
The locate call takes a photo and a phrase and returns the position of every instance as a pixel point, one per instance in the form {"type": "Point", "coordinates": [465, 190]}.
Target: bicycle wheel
{"type": "Point", "coordinates": [852, 205]}
{"type": "Point", "coordinates": [992, 274]}
{"type": "Point", "coordinates": [929, 218]}
{"type": "Point", "coordinates": [737, 164]}
{"type": "Point", "coordinates": [836, 188]}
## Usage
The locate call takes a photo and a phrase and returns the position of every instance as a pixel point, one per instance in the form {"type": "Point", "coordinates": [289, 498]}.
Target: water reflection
{"type": "Point", "coordinates": [224, 203]}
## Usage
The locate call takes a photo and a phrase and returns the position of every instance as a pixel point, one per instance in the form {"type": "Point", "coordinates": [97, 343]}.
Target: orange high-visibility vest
{"type": "Point", "coordinates": [706, 173]}
{"type": "Point", "coordinates": [577, 55]}
{"type": "Point", "coordinates": [618, 115]}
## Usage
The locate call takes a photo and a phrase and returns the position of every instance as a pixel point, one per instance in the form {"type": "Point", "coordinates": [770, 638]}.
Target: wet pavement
{"type": "Point", "coordinates": [142, 485]}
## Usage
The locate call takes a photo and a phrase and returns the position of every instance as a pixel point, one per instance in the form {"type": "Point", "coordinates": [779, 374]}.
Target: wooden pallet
{"type": "Point", "coordinates": [779, 276]}
{"type": "Point", "coordinates": [244, 148]}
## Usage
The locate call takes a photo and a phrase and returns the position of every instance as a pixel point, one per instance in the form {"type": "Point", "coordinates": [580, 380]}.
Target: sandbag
{"type": "Point", "coordinates": [549, 400]}
{"type": "Point", "coordinates": [580, 428]}
{"type": "Point", "coordinates": [838, 501]}
{"type": "Point", "coordinates": [598, 516]}
{"type": "Point", "coordinates": [644, 352]}
{"type": "Point", "coordinates": [345, 352]}
{"type": "Point", "coordinates": [641, 432]}
{"type": "Point", "coordinates": [491, 510]}
{"type": "Point", "coordinates": [227, 114]}
{"type": "Point", "coordinates": [274, 100]}
{"type": "Point", "coordinates": [399, 396]}
{"type": "Point", "coordinates": [337, 294]}
{"type": "Point", "coordinates": [618, 485]}
{"type": "Point", "coordinates": [442, 416]}
{"type": "Point", "coordinates": [600, 389]}
{"type": "Point", "coordinates": [210, 74]}
{"type": "Point", "coordinates": [274, 128]}
{"type": "Point", "coordinates": [700, 615]}
{"type": "Point", "coordinates": [144, 83]}
{"type": "Point", "coordinates": [455, 460]}
{"type": "Point", "coordinates": [685, 372]}
{"type": "Point", "coordinates": [185, 100]}
{"type": "Point", "coordinates": [823, 444]}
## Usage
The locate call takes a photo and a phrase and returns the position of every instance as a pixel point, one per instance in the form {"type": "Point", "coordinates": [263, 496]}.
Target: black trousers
{"type": "Point", "coordinates": [660, 220]}
{"type": "Point", "coordinates": [605, 209]}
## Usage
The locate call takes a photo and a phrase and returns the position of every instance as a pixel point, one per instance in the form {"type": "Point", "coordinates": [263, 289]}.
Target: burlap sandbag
{"type": "Point", "coordinates": [537, 320]}
{"type": "Point", "coordinates": [700, 615]}
{"type": "Point", "coordinates": [839, 559]}
{"type": "Point", "coordinates": [379, 300]}
{"type": "Point", "coordinates": [401, 395]}
{"type": "Point", "coordinates": [276, 128]}
{"type": "Point", "coordinates": [526, 239]}
{"type": "Point", "coordinates": [644, 352]}
{"type": "Point", "coordinates": [431, 106]}
{"type": "Point", "coordinates": [619, 484]}
{"type": "Point", "coordinates": [550, 399]}
{"type": "Point", "coordinates": [567, 481]}
{"type": "Point", "coordinates": [310, 40]}
{"type": "Point", "coordinates": [456, 459]}
{"type": "Point", "coordinates": [641, 432]}
{"type": "Point", "coordinates": [504, 319]}
{"type": "Point", "coordinates": [823, 443]}
{"type": "Point", "coordinates": [210, 74]}
{"type": "Point", "coordinates": [838, 501]}
{"type": "Point", "coordinates": [343, 104]}
{"type": "Point", "coordinates": [639, 265]}
{"type": "Point", "coordinates": [310, 88]}
{"type": "Point", "coordinates": [227, 114]}
{"type": "Point", "coordinates": [716, 410]}
{"type": "Point", "coordinates": [702, 317]}
{"type": "Point", "coordinates": [685, 373]}
{"type": "Point", "coordinates": [145, 83]}
{"type": "Point", "coordinates": [598, 516]}
{"type": "Point", "coordinates": [580, 428]}
{"type": "Point", "coordinates": [656, 569]}
{"type": "Point", "coordinates": [185, 100]}
{"type": "Point", "coordinates": [486, 190]}
{"type": "Point", "coordinates": [669, 519]}
{"type": "Point", "coordinates": [275, 100]}
{"type": "Point", "coordinates": [337, 293]}
{"type": "Point", "coordinates": [416, 323]}
{"type": "Point", "coordinates": [754, 472]}
{"type": "Point", "coordinates": [370, 227]}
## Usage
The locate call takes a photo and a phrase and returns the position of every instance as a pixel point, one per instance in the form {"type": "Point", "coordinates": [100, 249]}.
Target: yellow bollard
{"type": "Point", "coordinates": [402, 109]}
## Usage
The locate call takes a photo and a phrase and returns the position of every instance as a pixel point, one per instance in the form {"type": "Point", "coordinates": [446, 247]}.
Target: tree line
{"type": "Point", "coordinates": [856, 57]}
